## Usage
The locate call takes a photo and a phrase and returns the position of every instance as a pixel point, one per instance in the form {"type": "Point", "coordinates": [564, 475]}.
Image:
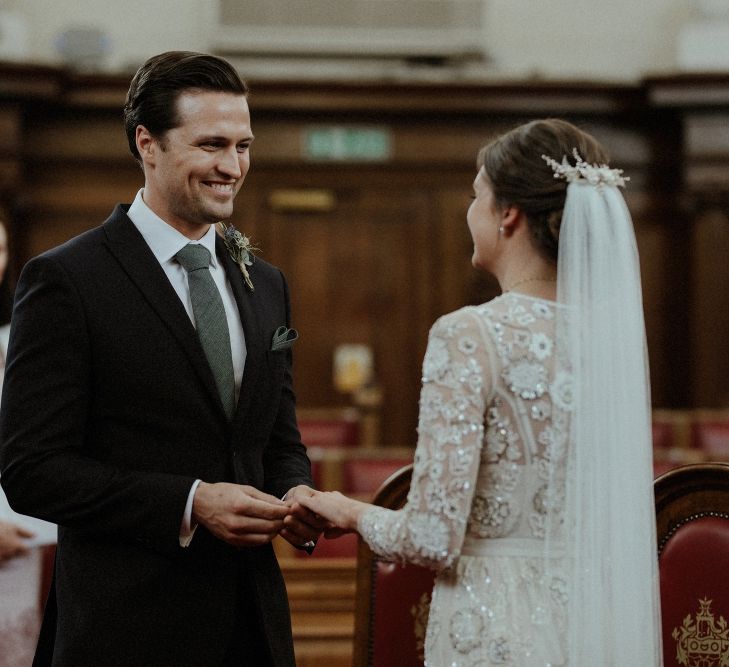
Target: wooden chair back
{"type": "Point", "coordinates": [392, 600]}
{"type": "Point", "coordinates": [692, 515]}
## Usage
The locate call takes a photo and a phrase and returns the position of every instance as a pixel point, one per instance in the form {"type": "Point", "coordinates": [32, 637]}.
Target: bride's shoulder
{"type": "Point", "coordinates": [469, 319]}
{"type": "Point", "coordinates": [461, 317]}
{"type": "Point", "coordinates": [469, 314]}
{"type": "Point", "coordinates": [507, 310]}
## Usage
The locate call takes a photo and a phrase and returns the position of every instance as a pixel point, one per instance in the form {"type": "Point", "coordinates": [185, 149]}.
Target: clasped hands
{"type": "Point", "coordinates": [244, 516]}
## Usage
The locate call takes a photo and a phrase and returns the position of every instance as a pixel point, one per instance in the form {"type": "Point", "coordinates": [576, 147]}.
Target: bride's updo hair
{"type": "Point", "coordinates": [519, 176]}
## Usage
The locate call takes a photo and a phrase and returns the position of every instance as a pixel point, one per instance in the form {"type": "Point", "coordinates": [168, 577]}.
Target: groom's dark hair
{"type": "Point", "coordinates": [152, 97]}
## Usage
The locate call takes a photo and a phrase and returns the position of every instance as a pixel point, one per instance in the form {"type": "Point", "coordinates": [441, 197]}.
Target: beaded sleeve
{"type": "Point", "coordinates": [457, 383]}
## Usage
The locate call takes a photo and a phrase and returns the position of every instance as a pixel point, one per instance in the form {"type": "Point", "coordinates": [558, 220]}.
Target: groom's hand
{"type": "Point", "coordinates": [301, 527]}
{"type": "Point", "coordinates": [239, 515]}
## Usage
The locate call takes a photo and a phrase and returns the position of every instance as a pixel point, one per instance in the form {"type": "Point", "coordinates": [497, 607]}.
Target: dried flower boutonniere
{"type": "Point", "coordinates": [240, 249]}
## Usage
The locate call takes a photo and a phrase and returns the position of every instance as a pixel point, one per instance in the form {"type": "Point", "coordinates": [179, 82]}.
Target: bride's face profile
{"type": "Point", "coordinates": [483, 219]}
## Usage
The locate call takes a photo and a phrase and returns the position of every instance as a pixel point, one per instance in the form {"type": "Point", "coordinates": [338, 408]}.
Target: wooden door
{"type": "Point", "coordinates": [360, 271]}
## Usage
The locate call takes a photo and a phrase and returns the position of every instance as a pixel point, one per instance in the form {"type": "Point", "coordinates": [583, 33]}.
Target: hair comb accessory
{"type": "Point", "coordinates": [598, 175]}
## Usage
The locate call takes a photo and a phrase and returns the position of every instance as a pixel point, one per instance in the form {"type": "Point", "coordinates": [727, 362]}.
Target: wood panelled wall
{"type": "Point", "coordinates": [702, 105]}
{"type": "Point", "coordinates": [375, 251]}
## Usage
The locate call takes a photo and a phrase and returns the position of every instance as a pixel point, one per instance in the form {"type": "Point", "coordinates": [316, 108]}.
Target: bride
{"type": "Point", "coordinates": [532, 485]}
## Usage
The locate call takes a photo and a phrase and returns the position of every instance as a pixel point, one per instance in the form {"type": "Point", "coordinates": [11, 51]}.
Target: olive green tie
{"type": "Point", "coordinates": [210, 320]}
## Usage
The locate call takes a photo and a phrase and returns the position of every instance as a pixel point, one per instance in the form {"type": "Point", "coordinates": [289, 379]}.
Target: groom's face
{"type": "Point", "coordinates": [193, 173]}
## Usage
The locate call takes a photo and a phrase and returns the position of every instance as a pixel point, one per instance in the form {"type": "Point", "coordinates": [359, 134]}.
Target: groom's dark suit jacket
{"type": "Point", "coordinates": [109, 414]}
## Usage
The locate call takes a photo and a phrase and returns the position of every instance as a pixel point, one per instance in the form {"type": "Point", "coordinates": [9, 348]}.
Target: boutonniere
{"type": "Point", "coordinates": [240, 249]}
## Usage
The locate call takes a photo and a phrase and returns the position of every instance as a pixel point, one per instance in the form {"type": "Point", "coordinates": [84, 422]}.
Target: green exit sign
{"type": "Point", "coordinates": [348, 144]}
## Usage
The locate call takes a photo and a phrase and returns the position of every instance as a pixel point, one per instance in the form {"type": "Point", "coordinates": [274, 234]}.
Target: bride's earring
{"type": "Point", "coordinates": [501, 230]}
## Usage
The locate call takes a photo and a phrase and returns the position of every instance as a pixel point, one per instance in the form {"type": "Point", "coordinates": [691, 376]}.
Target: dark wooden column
{"type": "Point", "coordinates": [701, 103]}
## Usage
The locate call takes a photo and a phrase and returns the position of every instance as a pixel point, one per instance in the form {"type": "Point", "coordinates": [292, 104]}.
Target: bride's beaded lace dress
{"type": "Point", "coordinates": [487, 484]}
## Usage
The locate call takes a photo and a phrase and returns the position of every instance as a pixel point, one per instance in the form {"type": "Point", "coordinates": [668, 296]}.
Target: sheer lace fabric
{"type": "Point", "coordinates": [488, 471]}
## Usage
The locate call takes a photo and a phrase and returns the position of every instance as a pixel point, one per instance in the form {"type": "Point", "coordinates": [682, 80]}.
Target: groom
{"type": "Point", "coordinates": [148, 406]}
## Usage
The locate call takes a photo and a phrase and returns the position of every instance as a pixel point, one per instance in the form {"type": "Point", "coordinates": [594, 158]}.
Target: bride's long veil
{"type": "Point", "coordinates": [608, 529]}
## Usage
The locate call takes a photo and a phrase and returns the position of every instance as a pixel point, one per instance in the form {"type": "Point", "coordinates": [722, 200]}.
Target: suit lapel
{"type": "Point", "coordinates": [135, 257]}
{"type": "Point", "coordinates": [255, 350]}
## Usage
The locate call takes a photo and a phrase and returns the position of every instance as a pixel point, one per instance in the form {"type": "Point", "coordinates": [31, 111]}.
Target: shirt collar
{"type": "Point", "coordinates": [164, 240]}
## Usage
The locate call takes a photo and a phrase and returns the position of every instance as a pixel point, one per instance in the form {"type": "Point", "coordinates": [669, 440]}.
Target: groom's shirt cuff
{"type": "Point", "coordinates": [187, 529]}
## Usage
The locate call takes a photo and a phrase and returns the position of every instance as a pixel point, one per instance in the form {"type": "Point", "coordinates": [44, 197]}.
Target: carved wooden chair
{"type": "Point", "coordinates": [692, 515]}
{"type": "Point", "coordinates": [392, 600]}
{"type": "Point", "coordinates": [363, 476]}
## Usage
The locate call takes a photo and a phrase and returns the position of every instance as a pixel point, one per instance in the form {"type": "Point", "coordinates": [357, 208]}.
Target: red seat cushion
{"type": "Point", "coordinates": [402, 598]}
{"type": "Point", "coordinates": [693, 568]}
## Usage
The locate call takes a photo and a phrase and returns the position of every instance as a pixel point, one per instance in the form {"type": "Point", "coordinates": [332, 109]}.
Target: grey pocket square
{"type": "Point", "coordinates": [283, 338]}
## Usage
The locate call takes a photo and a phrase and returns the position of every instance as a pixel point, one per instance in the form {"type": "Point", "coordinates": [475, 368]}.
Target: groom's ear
{"type": "Point", "coordinates": [147, 144]}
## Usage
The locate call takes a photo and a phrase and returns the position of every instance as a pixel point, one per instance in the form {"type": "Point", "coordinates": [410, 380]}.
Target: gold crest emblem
{"type": "Point", "coordinates": [703, 642]}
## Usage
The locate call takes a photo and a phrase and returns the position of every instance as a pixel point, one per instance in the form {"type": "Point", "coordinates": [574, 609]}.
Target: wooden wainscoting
{"type": "Point", "coordinates": [321, 596]}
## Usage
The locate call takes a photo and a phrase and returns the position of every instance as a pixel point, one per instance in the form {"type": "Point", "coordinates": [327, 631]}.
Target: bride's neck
{"type": "Point", "coordinates": [532, 275]}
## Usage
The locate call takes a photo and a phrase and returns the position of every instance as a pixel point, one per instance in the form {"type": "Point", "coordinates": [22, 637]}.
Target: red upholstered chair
{"type": "Point", "coordinates": [329, 427]}
{"type": "Point", "coordinates": [665, 460]}
{"type": "Point", "coordinates": [364, 476]}
{"type": "Point", "coordinates": [692, 515]}
{"type": "Point", "coordinates": [670, 429]}
{"type": "Point", "coordinates": [327, 433]}
{"type": "Point", "coordinates": [672, 440]}
{"type": "Point", "coordinates": [710, 433]}
{"type": "Point", "coordinates": [662, 466]}
{"type": "Point", "coordinates": [392, 600]}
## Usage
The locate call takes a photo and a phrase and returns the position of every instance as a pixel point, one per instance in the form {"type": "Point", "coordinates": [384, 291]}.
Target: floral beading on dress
{"type": "Point", "coordinates": [487, 486]}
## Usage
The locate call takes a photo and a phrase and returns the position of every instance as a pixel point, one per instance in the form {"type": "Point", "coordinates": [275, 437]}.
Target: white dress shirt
{"type": "Point", "coordinates": [165, 242]}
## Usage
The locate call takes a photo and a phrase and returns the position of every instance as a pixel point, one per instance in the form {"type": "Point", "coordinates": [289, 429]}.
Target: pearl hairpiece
{"type": "Point", "coordinates": [597, 175]}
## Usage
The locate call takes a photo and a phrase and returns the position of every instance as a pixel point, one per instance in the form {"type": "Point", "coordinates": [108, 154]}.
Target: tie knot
{"type": "Point", "coordinates": [194, 257]}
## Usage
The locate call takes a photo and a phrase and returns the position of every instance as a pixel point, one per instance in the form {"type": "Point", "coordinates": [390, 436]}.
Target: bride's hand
{"type": "Point", "coordinates": [342, 513]}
